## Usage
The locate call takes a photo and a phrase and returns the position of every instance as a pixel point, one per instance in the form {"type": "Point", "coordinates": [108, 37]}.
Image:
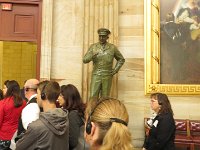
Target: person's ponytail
{"type": "Point", "coordinates": [117, 137]}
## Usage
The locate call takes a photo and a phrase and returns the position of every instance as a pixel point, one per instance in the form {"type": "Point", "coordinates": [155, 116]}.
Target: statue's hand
{"type": "Point", "coordinates": [95, 53]}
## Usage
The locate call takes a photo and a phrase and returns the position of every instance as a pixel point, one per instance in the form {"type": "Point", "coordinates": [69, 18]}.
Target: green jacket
{"type": "Point", "coordinates": [103, 57]}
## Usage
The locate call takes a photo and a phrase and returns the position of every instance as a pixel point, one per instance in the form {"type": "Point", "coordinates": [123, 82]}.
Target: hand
{"type": "Point", "coordinates": [95, 53]}
{"type": "Point", "coordinates": [144, 148]}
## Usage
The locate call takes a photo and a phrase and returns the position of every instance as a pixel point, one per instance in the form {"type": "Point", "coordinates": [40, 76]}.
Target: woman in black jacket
{"type": "Point", "coordinates": [162, 127]}
{"type": "Point", "coordinates": [70, 100]}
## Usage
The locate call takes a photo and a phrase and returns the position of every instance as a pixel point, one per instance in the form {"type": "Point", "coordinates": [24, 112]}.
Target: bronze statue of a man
{"type": "Point", "coordinates": [102, 54]}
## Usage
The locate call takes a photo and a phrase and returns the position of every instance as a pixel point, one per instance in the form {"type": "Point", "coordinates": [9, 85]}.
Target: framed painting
{"type": "Point", "coordinates": [172, 46]}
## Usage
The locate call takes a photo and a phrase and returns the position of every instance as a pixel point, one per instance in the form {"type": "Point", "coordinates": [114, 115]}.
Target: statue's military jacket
{"type": "Point", "coordinates": [103, 61]}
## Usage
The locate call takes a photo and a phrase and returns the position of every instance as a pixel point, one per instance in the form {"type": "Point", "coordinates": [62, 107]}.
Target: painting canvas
{"type": "Point", "coordinates": [180, 41]}
{"type": "Point", "coordinates": [172, 46]}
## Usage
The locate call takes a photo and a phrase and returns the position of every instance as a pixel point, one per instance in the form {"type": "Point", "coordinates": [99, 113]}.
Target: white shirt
{"type": "Point", "coordinates": [30, 113]}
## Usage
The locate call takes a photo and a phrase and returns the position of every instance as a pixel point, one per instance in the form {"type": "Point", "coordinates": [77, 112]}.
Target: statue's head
{"type": "Point", "coordinates": [103, 35]}
{"type": "Point", "coordinates": [103, 31]}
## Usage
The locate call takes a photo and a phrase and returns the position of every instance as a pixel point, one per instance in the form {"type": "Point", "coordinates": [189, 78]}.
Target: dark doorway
{"type": "Point", "coordinates": [20, 39]}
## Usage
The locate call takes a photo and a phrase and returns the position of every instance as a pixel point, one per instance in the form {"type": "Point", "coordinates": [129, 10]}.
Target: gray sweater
{"type": "Point", "coordinates": [49, 132]}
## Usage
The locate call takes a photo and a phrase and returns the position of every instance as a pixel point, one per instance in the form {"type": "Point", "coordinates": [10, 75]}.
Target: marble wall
{"type": "Point", "coordinates": [62, 51]}
{"type": "Point", "coordinates": [62, 41]}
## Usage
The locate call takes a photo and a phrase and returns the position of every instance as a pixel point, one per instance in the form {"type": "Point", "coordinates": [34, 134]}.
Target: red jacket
{"type": "Point", "coordinates": [9, 116]}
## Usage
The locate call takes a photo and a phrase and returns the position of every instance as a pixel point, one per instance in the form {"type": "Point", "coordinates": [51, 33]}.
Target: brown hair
{"type": "Point", "coordinates": [52, 91]}
{"type": "Point", "coordinates": [13, 89]}
{"type": "Point", "coordinates": [164, 102]}
{"type": "Point", "coordinates": [1, 94]}
{"type": "Point", "coordinates": [42, 85]}
{"type": "Point", "coordinates": [72, 99]}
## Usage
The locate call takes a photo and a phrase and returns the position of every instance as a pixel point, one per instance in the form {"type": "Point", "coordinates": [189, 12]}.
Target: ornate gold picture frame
{"type": "Point", "coordinates": [152, 55]}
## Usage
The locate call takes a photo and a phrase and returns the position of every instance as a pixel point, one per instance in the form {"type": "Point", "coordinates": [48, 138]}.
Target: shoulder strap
{"type": "Point", "coordinates": [33, 100]}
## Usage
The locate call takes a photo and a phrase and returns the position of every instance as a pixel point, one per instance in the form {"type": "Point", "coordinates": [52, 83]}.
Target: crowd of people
{"type": "Point", "coordinates": [38, 123]}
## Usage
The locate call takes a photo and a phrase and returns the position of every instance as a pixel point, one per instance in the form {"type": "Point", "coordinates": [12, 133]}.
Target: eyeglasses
{"type": "Point", "coordinates": [153, 100]}
{"type": "Point", "coordinates": [27, 89]}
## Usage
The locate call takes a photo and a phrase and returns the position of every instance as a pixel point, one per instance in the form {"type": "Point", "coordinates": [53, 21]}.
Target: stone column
{"type": "Point", "coordinates": [46, 39]}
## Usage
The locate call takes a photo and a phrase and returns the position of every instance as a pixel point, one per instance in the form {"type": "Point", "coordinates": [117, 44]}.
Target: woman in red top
{"type": "Point", "coordinates": [10, 110]}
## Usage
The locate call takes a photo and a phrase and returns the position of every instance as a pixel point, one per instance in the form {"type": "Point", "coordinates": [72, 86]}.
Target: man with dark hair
{"type": "Point", "coordinates": [51, 130]}
{"type": "Point", "coordinates": [102, 54]}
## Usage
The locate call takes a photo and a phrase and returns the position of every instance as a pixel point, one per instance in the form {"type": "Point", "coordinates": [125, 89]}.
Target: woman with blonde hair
{"type": "Point", "coordinates": [106, 126]}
